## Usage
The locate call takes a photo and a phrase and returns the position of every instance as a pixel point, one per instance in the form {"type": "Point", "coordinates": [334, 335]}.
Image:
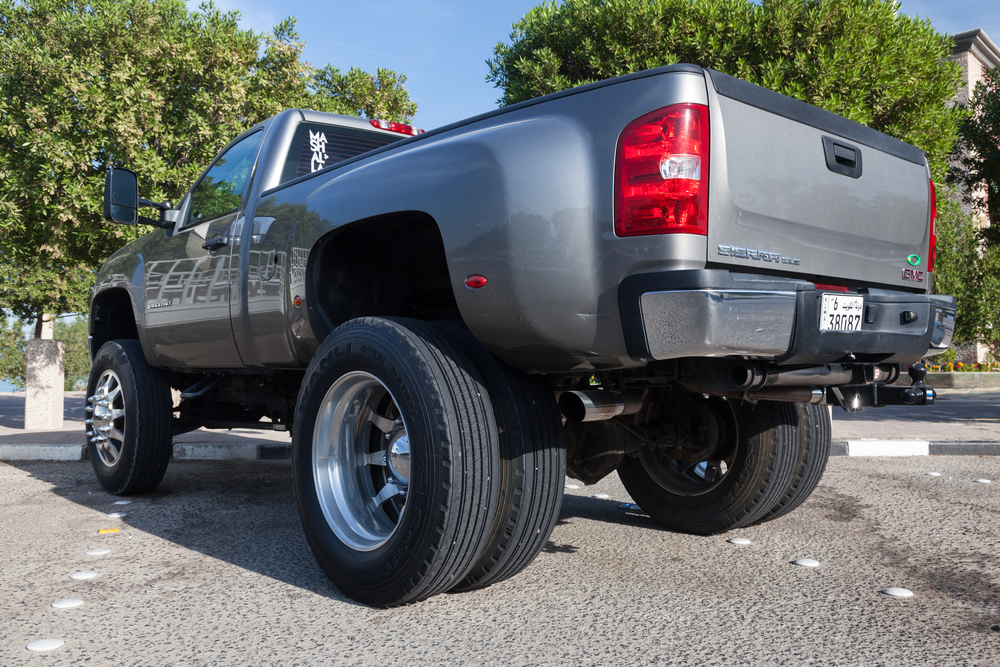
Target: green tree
{"type": "Point", "coordinates": [972, 272]}
{"type": "Point", "coordinates": [358, 93]}
{"type": "Point", "coordinates": [12, 351]}
{"type": "Point", "coordinates": [87, 85]}
{"type": "Point", "coordinates": [73, 332]}
{"type": "Point", "coordinates": [977, 154]}
{"type": "Point", "coordinates": [969, 270]}
{"type": "Point", "coordinates": [857, 58]}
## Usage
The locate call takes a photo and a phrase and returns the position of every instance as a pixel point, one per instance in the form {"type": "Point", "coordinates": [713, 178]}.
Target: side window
{"type": "Point", "coordinates": [316, 146]}
{"type": "Point", "coordinates": [221, 188]}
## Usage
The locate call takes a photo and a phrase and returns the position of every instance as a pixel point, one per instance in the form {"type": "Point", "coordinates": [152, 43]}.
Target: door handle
{"type": "Point", "coordinates": [216, 243]}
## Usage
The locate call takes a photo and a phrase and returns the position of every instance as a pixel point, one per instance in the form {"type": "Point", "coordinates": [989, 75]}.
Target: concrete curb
{"type": "Point", "coordinates": [214, 451]}
{"type": "Point", "coordinates": [183, 451]}
{"type": "Point", "coordinates": [876, 447]}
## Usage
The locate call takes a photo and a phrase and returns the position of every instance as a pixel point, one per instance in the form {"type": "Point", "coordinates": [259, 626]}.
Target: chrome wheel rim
{"type": "Point", "coordinates": [361, 461]}
{"type": "Point", "coordinates": [106, 424]}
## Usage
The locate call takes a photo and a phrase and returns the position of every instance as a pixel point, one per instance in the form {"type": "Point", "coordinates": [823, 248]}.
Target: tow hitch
{"type": "Point", "coordinates": [856, 397]}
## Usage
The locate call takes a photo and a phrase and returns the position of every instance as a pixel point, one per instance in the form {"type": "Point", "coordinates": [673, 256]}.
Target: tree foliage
{"type": "Point", "coordinates": [968, 270]}
{"type": "Point", "coordinates": [73, 332]}
{"type": "Point", "coordinates": [971, 252]}
{"type": "Point", "coordinates": [358, 93]}
{"type": "Point", "coordinates": [977, 163]}
{"type": "Point", "coordinates": [857, 58]}
{"type": "Point", "coordinates": [12, 351]}
{"type": "Point", "coordinates": [90, 84]}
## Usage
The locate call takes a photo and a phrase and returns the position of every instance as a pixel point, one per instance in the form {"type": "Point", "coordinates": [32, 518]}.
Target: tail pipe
{"type": "Point", "coordinates": [596, 405]}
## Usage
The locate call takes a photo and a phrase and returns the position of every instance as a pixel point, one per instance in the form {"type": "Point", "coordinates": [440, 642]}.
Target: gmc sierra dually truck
{"type": "Point", "coordinates": [669, 274]}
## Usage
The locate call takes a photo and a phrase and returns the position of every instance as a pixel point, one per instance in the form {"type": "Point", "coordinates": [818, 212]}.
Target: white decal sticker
{"type": "Point", "coordinates": [317, 142]}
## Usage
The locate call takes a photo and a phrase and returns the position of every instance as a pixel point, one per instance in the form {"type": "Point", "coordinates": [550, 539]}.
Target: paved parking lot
{"type": "Point", "coordinates": [212, 569]}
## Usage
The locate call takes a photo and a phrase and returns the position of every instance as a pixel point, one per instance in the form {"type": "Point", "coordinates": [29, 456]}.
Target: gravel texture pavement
{"type": "Point", "coordinates": [213, 569]}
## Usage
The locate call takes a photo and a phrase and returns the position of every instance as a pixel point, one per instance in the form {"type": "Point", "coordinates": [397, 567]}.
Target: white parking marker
{"type": "Point", "coordinates": [805, 562]}
{"type": "Point", "coordinates": [83, 575]}
{"type": "Point", "coordinates": [68, 603]}
{"type": "Point", "coordinates": [898, 592]}
{"type": "Point", "coordinates": [45, 645]}
{"type": "Point", "coordinates": [739, 540]}
{"type": "Point", "coordinates": [933, 474]}
{"type": "Point", "coordinates": [123, 502]}
{"type": "Point", "coordinates": [572, 486]}
{"type": "Point", "coordinates": [982, 481]}
{"type": "Point", "coordinates": [100, 551]}
{"type": "Point", "coordinates": [602, 496]}
{"type": "Point", "coordinates": [118, 515]}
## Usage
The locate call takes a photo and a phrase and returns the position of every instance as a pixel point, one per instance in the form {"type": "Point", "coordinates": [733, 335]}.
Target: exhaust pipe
{"type": "Point", "coordinates": [597, 405]}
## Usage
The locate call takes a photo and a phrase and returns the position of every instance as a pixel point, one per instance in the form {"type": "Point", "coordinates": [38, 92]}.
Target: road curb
{"type": "Point", "coordinates": [879, 447]}
{"type": "Point", "coordinates": [183, 451]}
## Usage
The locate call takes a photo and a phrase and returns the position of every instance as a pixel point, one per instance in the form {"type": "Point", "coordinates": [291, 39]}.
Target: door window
{"type": "Point", "coordinates": [221, 188]}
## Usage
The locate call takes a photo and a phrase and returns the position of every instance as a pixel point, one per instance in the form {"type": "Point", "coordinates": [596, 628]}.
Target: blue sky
{"type": "Point", "coordinates": [442, 45]}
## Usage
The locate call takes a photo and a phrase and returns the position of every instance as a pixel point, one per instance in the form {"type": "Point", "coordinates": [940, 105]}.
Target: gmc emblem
{"type": "Point", "coordinates": [913, 275]}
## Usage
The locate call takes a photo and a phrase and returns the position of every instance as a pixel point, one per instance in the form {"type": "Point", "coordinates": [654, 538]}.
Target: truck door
{"type": "Point", "coordinates": [187, 288]}
{"type": "Point", "coordinates": [276, 273]}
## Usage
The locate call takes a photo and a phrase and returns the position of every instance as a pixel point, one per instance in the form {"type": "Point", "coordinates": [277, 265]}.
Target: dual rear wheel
{"type": "Point", "coordinates": [420, 463]}
{"type": "Point", "coordinates": [769, 460]}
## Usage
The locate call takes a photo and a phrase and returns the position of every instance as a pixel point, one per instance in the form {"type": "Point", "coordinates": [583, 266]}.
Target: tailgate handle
{"type": "Point", "coordinates": [842, 157]}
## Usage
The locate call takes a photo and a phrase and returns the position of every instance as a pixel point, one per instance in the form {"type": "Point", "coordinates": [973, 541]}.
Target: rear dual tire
{"type": "Point", "coordinates": [420, 463]}
{"type": "Point", "coordinates": [735, 491]}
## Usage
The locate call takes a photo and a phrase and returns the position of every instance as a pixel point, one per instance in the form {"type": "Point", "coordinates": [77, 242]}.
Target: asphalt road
{"type": "Point", "coordinates": [212, 569]}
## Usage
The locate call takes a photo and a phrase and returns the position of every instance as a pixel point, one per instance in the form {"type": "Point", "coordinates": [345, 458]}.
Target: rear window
{"type": "Point", "coordinates": [316, 146]}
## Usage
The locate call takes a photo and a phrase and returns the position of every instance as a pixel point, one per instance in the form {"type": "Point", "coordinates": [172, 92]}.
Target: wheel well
{"type": "Point", "coordinates": [111, 318]}
{"type": "Point", "coordinates": [391, 265]}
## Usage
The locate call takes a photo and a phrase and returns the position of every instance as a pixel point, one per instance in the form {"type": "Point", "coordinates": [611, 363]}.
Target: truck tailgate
{"type": "Point", "coordinates": [799, 190]}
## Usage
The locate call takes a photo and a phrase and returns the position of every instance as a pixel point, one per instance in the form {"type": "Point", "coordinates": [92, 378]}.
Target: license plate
{"type": "Point", "coordinates": [841, 313]}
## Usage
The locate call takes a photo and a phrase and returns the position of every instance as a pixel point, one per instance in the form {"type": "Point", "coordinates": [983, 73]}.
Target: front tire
{"type": "Point", "coordinates": [706, 497]}
{"type": "Point", "coordinates": [394, 457]}
{"type": "Point", "coordinates": [129, 420]}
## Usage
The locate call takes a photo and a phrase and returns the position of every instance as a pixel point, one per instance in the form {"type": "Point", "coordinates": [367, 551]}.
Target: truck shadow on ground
{"type": "Point", "coordinates": [239, 512]}
{"type": "Point", "coordinates": [244, 513]}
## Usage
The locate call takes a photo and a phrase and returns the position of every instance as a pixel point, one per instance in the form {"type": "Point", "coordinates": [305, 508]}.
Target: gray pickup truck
{"type": "Point", "coordinates": [669, 274]}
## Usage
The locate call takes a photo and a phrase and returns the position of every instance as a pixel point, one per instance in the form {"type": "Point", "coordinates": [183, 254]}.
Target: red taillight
{"type": "Point", "coordinates": [395, 127]}
{"type": "Point", "coordinates": [831, 288]}
{"type": "Point", "coordinates": [661, 184]}
{"type": "Point", "coordinates": [932, 247]}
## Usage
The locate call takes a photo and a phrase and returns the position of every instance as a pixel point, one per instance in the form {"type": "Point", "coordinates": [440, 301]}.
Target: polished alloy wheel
{"type": "Point", "coordinates": [107, 421]}
{"type": "Point", "coordinates": [361, 461]}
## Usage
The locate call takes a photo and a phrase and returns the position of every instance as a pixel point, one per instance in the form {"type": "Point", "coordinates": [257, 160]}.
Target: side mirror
{"type": "Point", "coordinates": [121, 197]}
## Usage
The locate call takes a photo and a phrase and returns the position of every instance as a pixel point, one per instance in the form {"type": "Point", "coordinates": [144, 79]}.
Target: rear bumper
{"type": "Point", "coordinates": [717, 313]}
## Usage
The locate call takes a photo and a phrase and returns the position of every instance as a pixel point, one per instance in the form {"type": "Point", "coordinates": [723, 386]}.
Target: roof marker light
{"type": "Point", "coordinates": [395, 127]}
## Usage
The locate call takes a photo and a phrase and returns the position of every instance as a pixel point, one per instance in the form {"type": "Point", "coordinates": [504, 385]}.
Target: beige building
{"type": "Point", "coordinates": [975, 52]}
